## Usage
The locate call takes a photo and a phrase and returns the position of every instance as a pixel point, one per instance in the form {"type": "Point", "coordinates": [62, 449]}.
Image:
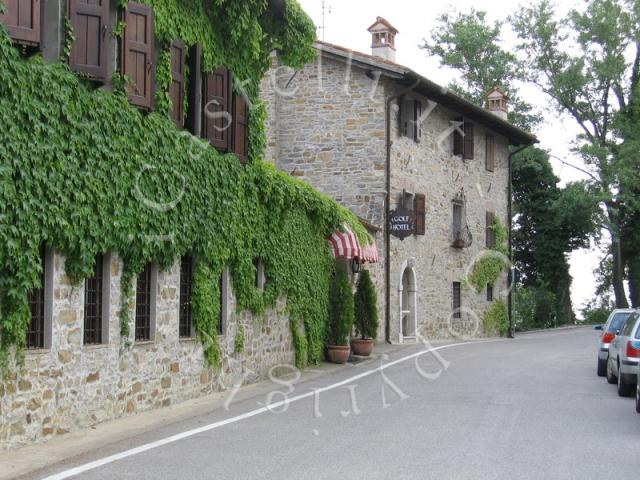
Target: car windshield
{"type": "Point", "coordinates": [618, 321]}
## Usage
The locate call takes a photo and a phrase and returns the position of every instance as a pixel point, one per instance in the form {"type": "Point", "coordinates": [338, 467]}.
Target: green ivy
{"type": "Point", "coordinates": [84, 172]}
{"type": "Point", "coordinates": [238, 342]}
{"type": "Point", "coordinates": [487, 269]}
{"type": "Point", "coordinates": [496, 318]}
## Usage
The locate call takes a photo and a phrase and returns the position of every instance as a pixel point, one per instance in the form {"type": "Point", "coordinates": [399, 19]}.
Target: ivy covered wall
{"type": "Point", "coordinates": [84, 172]}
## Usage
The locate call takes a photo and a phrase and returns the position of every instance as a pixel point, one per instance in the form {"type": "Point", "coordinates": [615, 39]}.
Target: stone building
{"type": "Point", "coordinates": [405, 154]}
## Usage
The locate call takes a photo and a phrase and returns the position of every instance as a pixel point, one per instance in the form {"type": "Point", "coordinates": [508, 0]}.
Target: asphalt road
{"type": "Point", "coordinates": [529, 408]}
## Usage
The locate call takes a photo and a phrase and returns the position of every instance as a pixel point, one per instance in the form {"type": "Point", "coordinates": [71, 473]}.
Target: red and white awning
{"type": "Point", "coordinates": [345, 245]}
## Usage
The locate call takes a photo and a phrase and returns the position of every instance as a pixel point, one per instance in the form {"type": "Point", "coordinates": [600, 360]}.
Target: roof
{"type": "Point", "coordinates": [415, 82]}
{"type": "Point", "coordinates": [384, 22]}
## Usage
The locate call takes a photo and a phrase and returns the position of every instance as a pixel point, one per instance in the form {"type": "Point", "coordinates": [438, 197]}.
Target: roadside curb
{"type": "Point", "coordinates": [542, 330]}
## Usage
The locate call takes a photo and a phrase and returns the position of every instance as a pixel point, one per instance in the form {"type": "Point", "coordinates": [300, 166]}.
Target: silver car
{"type": "Point", "coordinates": [614, 323]}
{"type": "Point", "coordinates": [624, 354]}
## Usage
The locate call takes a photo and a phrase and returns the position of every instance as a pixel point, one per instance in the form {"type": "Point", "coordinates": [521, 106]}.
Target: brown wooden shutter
{"type": "Point", "coordinates": [468, 141]}
{"type": "Point", "coordinates": [22, 20]}
{"type": "Point", "coordinates": [417, 113]}
{"type": "Point", "coordinates": [419, 209]}
{"type": "Point", "coordinates": [216, 114]}
{"type": "Point", "coordinates": [490, 234]}
{"type": "Point", "coordinates": [241, 128]}
{"type": "Point", "coordinates": [90, 22]}
{"type": "Point", "coordinates": [176, 92]}
{"type": "Point", "coordinates": [458, 146]}
{"type": "Point", "coordinates": [137, 53]}
{"type": "Point", "coordinates": [490, 153]}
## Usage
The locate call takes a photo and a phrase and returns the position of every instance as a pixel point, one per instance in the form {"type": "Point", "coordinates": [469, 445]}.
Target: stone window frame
{"type": "Point", "coordinates": [49, 276]}
{"type": "Point", "coordinates": [106, 302]}
{"type": "Point", "coordinates": [261, 278]}
{"type": "Point", "coordinates": [489, 292]}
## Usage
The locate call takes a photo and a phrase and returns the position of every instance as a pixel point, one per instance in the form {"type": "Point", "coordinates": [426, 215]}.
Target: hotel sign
{"type": "Point", "coordinates": [401, 223]}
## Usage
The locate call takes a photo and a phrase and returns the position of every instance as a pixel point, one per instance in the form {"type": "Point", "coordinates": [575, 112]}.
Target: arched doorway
{"type": "Point", "coordinates": [408, 304]}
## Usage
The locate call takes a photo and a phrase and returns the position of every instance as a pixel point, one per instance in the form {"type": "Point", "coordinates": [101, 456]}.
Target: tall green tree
{"type": "Point", "coordinates": [549, 222]}
{"type": "Point", "coordinates": [588, 63]}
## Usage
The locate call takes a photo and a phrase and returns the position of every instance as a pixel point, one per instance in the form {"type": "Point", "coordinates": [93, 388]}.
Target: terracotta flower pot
{"type": "Point", "coordinates": [458, 243]}
{"type": "Point", "coordinates": [362, 347]}
{"type": "Point", "coordinates": [338, 353]}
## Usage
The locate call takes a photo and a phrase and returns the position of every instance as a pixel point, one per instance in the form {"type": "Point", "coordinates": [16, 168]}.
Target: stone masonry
{"type": "Point", "coordinates": [327, 124]}
{"type": "Point", "coordinates": [71, 386]}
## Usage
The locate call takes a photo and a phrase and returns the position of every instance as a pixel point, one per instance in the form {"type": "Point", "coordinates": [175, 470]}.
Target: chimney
{"type": "Point", "coordinates": [383, 39]}
{"type": "Point", "coordinates": [498, 102]}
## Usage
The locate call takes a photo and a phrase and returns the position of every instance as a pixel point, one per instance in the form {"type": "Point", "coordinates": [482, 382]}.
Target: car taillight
{"type": "Point", "coordinates": [633, 348]}
{"type": "Point", "coordinates": [608, 336]}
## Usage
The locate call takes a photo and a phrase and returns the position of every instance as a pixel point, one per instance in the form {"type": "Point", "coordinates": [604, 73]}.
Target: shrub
{"type": "Point", "coordinates": [496, 319]}
{"type": "Point", "coordinates": [341, 310]}
{"type": "Point", "coordinates": [365, 304]}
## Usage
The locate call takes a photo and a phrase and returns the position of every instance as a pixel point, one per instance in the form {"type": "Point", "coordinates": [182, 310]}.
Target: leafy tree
{"type": "Point", "coordinates": [366, 309]}
{"type": "Point", "coordinates": [588, 63]}
{"type": "Point", "coordinates": [549, 222]}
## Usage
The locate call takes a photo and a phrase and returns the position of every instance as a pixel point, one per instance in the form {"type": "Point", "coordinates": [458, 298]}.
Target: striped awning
{"type": "Point", "coordinates": [345, 245]}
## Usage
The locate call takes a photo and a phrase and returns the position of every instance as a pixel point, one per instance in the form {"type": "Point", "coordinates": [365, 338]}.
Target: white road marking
{"type": "Point", "coordinates": [212, 426]}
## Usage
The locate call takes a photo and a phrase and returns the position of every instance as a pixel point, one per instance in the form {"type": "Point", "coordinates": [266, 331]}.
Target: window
{"type": "Point", "coordinates": [457, 221]}
{"type": "Point", "coordinates": [194, 92]}
{"type": "Point", "coordinates": [144, 305]}
{"type": "Point", "coordinates": [36, 331]}
{"type": "Point", "coordinates": [22, 20]}
{"type": "Point", "coordinates": [463, 145]}
{"type": "Point", "coordinates": [409, 118]}
{"type": "Point", "coordinates": [240, 127]}
{"type": "Point", "coordinates": [628, 327]}
{"type": "Point", "coordinates": [95, 306]}
{"type": "Point", "coordinates": [90, 22]}
{"type": "Point", "coordinates": [457, 300]}
{"type": "Point", "coordinates": [137, 53]}
{"type": "Point", "coordinates": [176, 92]}
{"type": "Point", "coordinates": [490, 233]}
{"type": "Point", "coordinates": [186, 287]}
{"type": "Point", "coordinates": [216, 119]}
{"type": "Point", "coordinates": [260, 276]}
{"type": "Point", "coordinates": [419, 207]}
{"type": "Point", "coordinates": [489, 292]}
{"type": "Point", "coordinates": [490, 152]}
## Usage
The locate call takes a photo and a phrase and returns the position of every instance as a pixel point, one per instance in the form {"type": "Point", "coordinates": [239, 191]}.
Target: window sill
{"type": "Point", "coordinates": [36, 352]}
{"type": "Point", "coordinates": [95, 346]}
{"type": "Point", "coordinates": [187, 339]}
{"type": "Point", "coordinates": [144, 343]}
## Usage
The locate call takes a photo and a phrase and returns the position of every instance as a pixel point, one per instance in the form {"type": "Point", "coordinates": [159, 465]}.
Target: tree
{"type": "Point", "coordinates": [549, 222]}
{"type": "Point", "coordinates": [588, 63]}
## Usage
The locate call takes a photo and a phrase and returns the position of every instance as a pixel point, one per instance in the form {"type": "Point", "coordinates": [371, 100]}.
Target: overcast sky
{"type": "Point", "coordinates": [346, 25]}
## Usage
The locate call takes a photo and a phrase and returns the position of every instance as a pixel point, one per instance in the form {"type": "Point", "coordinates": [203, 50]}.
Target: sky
{"type": "Point", "coordinates": [346, 23]}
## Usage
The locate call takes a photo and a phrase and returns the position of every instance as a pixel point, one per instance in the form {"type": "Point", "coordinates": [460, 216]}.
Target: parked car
{"type": "Point", "coordinates": [614, 323]}
{"type": "Point", "coordinates": [638, 392]}
{"type": "Point", "coordinates": [624, 354]}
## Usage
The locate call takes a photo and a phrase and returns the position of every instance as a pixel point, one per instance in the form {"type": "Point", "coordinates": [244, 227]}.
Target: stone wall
{"type": "Point", "coordinates": [329, 129]}
{"type": "Point", "coordinates": [427, 168]}
{"type": "Point", "coordinates": [70, 386]}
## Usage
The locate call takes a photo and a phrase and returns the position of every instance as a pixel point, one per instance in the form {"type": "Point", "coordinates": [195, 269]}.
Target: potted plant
{"type": "Point", "coordinates": [366, 316]}
{"type": "Point", "coordinates": [340, 319]}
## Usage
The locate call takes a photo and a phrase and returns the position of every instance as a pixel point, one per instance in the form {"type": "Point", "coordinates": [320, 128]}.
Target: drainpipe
{"type": "Point", "coordinates": [387, 208]}
{"type": "Point", "coordinates": [512, 333]}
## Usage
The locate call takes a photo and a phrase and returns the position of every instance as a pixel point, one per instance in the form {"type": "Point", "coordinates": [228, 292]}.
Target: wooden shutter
{"type": "Point", "coordinates": [458, 146]}
{"type": "Point", "coordinates": [490, 153]}
{"type": "Point", "coordinates": [137, 53]}
{"type": "Point", "coordinates": [22, 20]}
{"type": "Point", "coordinates": [490, 234]}
{"type": "Point", "coordinates": [176, 92]}
{"type": "Point", "coordinates": [419, 208]}
{"type": "Point", "coordinates": [468, 141]}
{"type": "Point", "coordinates": [241, 128]}
{"type": "Point", "coordinates": [90, 22]}
{"type": "Point", "coordinates": [216, 116]}
{"type": "Point", "coordinates": [417, 124]}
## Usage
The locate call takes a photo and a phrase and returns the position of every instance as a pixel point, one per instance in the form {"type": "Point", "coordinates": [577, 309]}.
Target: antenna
{"type": "Point", "coordinates": [325, 8]}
